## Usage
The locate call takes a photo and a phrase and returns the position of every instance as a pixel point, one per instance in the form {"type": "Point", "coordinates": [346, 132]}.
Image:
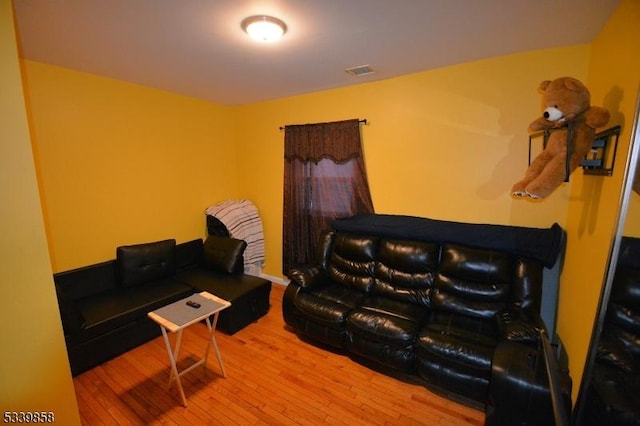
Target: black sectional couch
{"type": "Point", "coordinates": [104, 306]}
{"type": "Point", "coordinates": [425, 297]}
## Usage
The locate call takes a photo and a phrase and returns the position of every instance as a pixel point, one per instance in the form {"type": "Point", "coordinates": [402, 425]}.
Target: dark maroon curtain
{"type": "Point", "coordinates": [324, 179]}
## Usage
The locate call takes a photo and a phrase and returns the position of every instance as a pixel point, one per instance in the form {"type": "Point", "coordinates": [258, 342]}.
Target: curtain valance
{"type": "Point", "coordinates": [338, 141]}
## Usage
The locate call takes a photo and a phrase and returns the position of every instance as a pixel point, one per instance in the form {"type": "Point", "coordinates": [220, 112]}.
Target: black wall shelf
{"type": "Point", "coordinates": [600, 159]}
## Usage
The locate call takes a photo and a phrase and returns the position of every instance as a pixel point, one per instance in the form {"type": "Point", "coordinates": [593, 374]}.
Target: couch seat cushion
{"type": "Point", "coordinates": [330, 305]}
{"type": "Point", "coordinates": [384, 332]}
{"type": "Point", "coordinates": [454, 354]}
{"type": "Point", "coordinates": [109, 310]}
{"type": "Point", "coordinates": [249, 295]}
{"type": "Point", "coordinates": [463, 344]}
{"type": "Point", "coordinates": [226, 286]}
{"type": "Point", "coordinates": [387, 320]}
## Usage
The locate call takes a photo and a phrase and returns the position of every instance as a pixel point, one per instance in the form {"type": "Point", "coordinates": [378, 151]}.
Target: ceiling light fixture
{"type": "Point", "coordinates": [264, 28]}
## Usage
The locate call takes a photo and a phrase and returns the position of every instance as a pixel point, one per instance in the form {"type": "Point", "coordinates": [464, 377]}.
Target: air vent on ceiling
{"type": "Point", "coordinates": [360, 71]}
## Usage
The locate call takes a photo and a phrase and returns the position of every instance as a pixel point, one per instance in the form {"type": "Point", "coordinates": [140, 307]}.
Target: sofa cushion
{"type": "Point", "coordinates": [88, 280]}
{"type": "Point", "coordinates": [405, 270]}
{"type": "Point", "coordinates": [224, 254]}
{"type": "Point", "coordinates": [464, 342]}
{"type": "Point", "coordinates": [352, 261]}
{"type": "Point", "coordinates": [613, 352]}
{"type": "Point", "coordinates": [476, 264]}
{"type": "Point", "coordinates": [322, 314]}
{"type": "Point", "coordinates": [249, 295]}
{"type": "Point", "coordinates": [329, 306]}
{"type": "Point", "coordinates": [387, 320]}
{"type": "Point", "coordinates": [472, 282]}
{"type": "Point", "coordinates": [141, 263]}
{"type": "Point", "coordinates": [625, 293]}
{"type": "Point", "coordinates": [384, 332]}
{"type": "Point", "coordinates": [107, 311]}
{"type": "Point", "coordinates": [455, 352]}
{"type": "Point", "coordinates": [88, 353]}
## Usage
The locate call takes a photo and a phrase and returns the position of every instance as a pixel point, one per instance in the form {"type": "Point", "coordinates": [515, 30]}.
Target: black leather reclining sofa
{"type": "Point", "coordinates": [615, 385]}
{"type": "Point", "coordinates": [104, 306]}
{"type": "Point", "coordinates": [425, 297]}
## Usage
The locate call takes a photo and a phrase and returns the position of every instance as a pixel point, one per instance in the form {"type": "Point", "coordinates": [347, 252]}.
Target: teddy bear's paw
{"type": "Point", "coordinates": [533, 196]}
{"type": "Point", "coordinates": [519, 189]}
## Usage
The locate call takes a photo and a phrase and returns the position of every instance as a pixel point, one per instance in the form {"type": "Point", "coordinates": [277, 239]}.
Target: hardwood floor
{"type": "Point", "coordinates": [273, 378]}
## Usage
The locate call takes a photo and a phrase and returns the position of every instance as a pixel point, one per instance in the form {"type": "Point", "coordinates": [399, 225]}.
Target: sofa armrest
{"type": "Point", "coordinates": [519, 325]}
{"type": "Point", "coordinates": [518, 369]}
{"type": "Point", "coordinates": [308, 277]}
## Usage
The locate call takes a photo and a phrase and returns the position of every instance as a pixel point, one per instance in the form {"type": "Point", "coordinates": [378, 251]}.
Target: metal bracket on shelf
{"type": "Point", "coordinates": [599, 161]}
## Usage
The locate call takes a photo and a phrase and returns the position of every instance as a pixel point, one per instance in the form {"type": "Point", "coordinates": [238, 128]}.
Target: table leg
{"type": "Point", "coordinates": [176, 351]}
{"type": "Point", "coordinates": [212, 340]}
{"type": "Point", "coordinates": [172, 360]}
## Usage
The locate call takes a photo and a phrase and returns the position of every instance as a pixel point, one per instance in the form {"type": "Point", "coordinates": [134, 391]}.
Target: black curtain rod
{"type": "Point", "coordinates": [363, 121]}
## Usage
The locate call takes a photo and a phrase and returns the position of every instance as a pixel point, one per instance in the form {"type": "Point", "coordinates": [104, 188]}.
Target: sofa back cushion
{"type": "Point", "coordinates": [87, 281]}
{"type": "Point", "coordinates": [189, 254]}
{"type": "Point", "coordinates": [224, 254]}
{"type": "Point", "coordinates": [526, 285]}
{"type": "Point", "coordinates": [472, 282]}
{"type": "Point", "coordinates": [405, 270]}
{"type": "Point", "coordinates": [141, 263]}
{"type": "Point", "coordinates": [352, 261]}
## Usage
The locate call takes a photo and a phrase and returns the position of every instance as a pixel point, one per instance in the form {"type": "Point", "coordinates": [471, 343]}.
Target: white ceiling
{"type": "Point", "coordinates": [196, 47]}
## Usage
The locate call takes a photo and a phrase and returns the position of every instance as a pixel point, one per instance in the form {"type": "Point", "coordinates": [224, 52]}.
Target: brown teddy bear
{"type": "Point", "coordinates": [565, 100]}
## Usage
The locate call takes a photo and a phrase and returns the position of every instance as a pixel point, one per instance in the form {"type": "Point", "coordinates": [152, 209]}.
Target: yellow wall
{"type": "Point", "coordinates": [446, 143]}
{"type": "Point", "coordinates": [123, 164]}
{"type": "Point", "coordinates": [34, 371]}
{"type": "Point", "coordinates": [613, 80]}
